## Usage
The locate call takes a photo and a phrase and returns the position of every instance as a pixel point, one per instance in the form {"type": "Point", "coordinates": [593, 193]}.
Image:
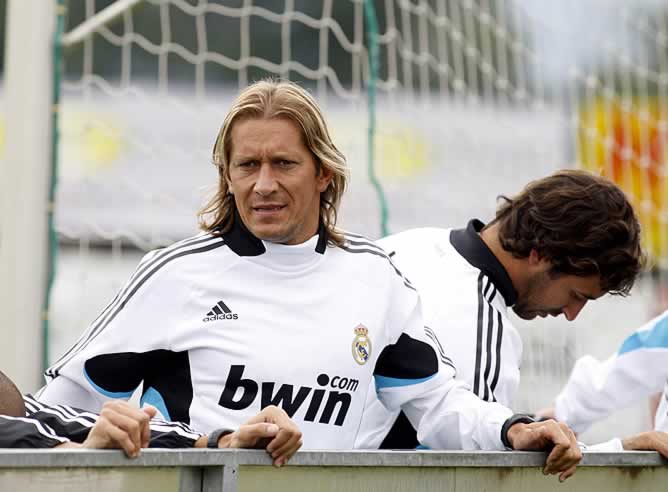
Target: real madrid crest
{"type": "Point", "coordinates": [361, 344]}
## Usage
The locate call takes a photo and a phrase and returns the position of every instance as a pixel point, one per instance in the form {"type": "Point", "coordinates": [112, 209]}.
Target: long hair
{"type": "Point", "coordinates": [278, 99]}
{"type": "Point", "coordinates": [582, 223]}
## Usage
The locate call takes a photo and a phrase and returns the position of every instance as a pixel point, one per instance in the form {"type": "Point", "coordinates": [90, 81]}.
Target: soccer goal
{"type": "Point", "coordinates": [439, 105]}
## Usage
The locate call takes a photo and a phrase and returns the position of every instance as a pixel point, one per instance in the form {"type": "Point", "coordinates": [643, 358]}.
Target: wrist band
{"type": "Point", "coordinates": [215, 436]}
{"type": "Point", "coordinates": [518, 418]}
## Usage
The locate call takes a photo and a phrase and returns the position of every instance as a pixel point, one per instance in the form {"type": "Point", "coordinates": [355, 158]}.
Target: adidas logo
{"type": "Point", "coordinates": [220, 311]}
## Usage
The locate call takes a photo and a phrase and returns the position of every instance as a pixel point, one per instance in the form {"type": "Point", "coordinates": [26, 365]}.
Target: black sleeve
{"type": "Point", "coordinates": [24, 432]}
{"type": "Point", "coordinates": [71, 423]}
{"type": "Point", "coordinates": [172, 435]}
{"type": "Point", "coordinates": [75, 424]}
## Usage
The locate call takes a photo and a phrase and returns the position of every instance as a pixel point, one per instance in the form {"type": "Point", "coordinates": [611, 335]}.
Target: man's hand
{"type": "Point", "coordinates": [551, 436]}
{"type": "Point", "coordinates": [648, 441]}
{"type": "Point", "coordinates": [271, 429]}
{"type": "Point", "coordinates": [121, 426]}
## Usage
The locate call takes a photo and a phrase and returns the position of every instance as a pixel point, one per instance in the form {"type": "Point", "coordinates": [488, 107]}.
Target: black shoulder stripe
{"type": "Point", "coordinates": [499, 338]}
{"type": "Point", "coordinates": [381, 255]}
{"type": "Point", "coordinates": [486, 385]}
{"type": "Point", "coordinates": [444, 358]}
{"type": "Point", "coordinates": [431, 334]}
{"type": "Point", "coordinates": [488, 352]}
{"type": "Point", "coordinates": [367, 244]}
{"type": "Point", "coordinates": [489, 284]}
{"type": "Point", "coordinates": [141, 269]}
{"type": "Point", "coordinates": [491, 297]}
{"type": "Point", "coordinates": [156, 265]}
{"type": "Point", "coordinates": [356, 236]}
{"type": "Point", "coordinates": [478, 348]}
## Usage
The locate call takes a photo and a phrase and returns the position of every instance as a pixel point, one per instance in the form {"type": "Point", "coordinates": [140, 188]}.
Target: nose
{"type": "Point", "coordinates": [266, 183]}
{"type": "Point", "coordinates": [572, 310]}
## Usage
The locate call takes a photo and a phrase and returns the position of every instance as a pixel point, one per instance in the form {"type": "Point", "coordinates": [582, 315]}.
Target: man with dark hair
{"type": "Point", "coordinates": [564, 240]}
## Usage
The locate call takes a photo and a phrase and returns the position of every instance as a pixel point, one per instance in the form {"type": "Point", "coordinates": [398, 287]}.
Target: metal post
{"type": "Point", "coordinates": [24, 184]}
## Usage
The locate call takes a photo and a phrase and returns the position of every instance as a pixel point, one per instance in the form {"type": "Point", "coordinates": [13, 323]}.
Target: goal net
{"type": "Point", "coordinates": [464, 100]}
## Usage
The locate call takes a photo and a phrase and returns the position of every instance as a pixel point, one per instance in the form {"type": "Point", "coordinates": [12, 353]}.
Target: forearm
{"type": "Point", "coordinates": [454, 418]}
{"type": "Point", "coordinates": [22, 432]}
{"type": "Point", "coordinates": [596, 389]}
{"type": "Point", "coordinates": [174, 435]}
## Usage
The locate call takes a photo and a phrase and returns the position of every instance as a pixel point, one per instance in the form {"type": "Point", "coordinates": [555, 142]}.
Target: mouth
{"type": "Point", "coordinates": [268, 209]}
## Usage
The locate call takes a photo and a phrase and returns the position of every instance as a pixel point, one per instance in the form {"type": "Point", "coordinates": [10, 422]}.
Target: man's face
{"type": "Point", "coordinates": [274, 179]}
{"type": "Point", "coordinates": [554, 294]}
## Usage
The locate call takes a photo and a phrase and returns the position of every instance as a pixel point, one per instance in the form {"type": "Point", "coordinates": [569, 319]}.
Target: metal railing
{"type": "Point", "coordinates": [243, 470]}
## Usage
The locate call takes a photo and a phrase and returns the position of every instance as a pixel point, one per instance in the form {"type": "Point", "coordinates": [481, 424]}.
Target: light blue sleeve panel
{"type": "Point", "coordinates": [596, 389]}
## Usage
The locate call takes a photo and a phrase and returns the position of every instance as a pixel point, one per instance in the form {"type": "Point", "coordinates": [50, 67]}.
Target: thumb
{"type": "Point", "coordinates": [249, 435]}
{"type": "Point", "coordinates": [262, 430]}
{"type": "Point", "coordinates": [150, 411]}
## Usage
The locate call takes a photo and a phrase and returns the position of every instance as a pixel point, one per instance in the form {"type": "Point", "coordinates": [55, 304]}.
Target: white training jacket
{"type": "Point", "coordinates": [217, 327]}
{"type": "Point", "coordinates": [465, 293]}
{"type": "Point", "coordinates": [595, 389]}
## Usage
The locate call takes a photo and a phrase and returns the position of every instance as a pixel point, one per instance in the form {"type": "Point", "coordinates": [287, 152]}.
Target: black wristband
{"type": "Point", "coordinates": [518, 418]}
{"type": "Point", "coordinates": [215, 436]}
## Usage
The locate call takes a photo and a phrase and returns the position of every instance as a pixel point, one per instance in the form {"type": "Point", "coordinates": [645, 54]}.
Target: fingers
{"type": "Point", "coordinates": [120, 438]}
{"type": "Point", "coordinates": [121, 426]}
{"type": "Point", "coordinates": [146, 426]}
{"type": "Point", "coordinates": [566, 453]}
{"type": "Point", "coordinates": [283, 453]}
{"type": "Point", "coordinates": [106, 435]}
{"type": "Point", "coordinates": [661, 443]}
{"type": "Point", "coordinates": [567, 473]}
{"type": "Point", "coordinates": [289, 438]}
{"type": "Point", "coordinates": [649, 441]}
{"type": "Point", "coordinates": [249, 435]}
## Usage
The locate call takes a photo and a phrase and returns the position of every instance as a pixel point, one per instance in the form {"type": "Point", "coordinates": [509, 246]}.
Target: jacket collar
{"type": "Point", "coordinates": [244, 243]}
{"type": "Point", "coordinates": [470, 245]}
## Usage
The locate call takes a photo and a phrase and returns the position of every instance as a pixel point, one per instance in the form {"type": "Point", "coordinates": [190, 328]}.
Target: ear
{"type": "Point", "coordinates": [230, 188]}
{"type": "Point", "coordinates": [534, 257]}
{"type": "Point", "coordinates": [539, 262]}
{"type": "Point", "coordinates": [324, 178]}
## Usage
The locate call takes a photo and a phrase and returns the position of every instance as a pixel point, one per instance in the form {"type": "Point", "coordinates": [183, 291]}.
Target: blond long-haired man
{"type": "Point", "coordinates": [272, 304]}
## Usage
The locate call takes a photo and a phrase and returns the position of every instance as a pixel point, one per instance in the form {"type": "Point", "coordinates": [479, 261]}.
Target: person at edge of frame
{"type": "Point", "coordinates": [27, 423]}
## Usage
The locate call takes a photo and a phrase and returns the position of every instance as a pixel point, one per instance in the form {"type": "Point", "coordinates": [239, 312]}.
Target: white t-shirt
{"type": "Point", "coordinates": [465, 292]}
{"type": "Point", "coordinates": [217, 328]}
{"type": "Point", "coordinates": [595, 389]}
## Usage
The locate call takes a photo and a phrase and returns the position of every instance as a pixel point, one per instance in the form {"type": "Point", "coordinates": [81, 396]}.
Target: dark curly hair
{"type": "Point", "coordinates": [582, 223]}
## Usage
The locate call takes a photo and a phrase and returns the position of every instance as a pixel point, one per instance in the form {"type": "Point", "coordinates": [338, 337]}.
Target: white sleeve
{"type": "Point", "coordinates": [596, 389]}
{"type": "Point", "coordinates": [611, 446]}
{"type": "Point", "coordinates": [110, 359]}
{"type": "Point", "coordinates": [414, 374]}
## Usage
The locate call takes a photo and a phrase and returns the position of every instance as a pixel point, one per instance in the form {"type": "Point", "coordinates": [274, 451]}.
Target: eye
{"type": "Point", "coordinates": [286, 163]}
{"type": "Point", "coordinates": [578, 297]}
{"type": "Point", "coordinates": [247, 164]}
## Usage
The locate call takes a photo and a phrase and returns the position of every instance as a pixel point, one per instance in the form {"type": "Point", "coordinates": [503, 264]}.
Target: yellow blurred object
{"type": "Point", "coordinates": [90, 143]}
{"type": "Point", "coordinates": [626, 142]}
{"type": "Point", "coordinates": [400, 153]}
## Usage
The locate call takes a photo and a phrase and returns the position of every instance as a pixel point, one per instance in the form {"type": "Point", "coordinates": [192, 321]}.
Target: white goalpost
{"type": "Point", "coordinates": [24, 198]}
